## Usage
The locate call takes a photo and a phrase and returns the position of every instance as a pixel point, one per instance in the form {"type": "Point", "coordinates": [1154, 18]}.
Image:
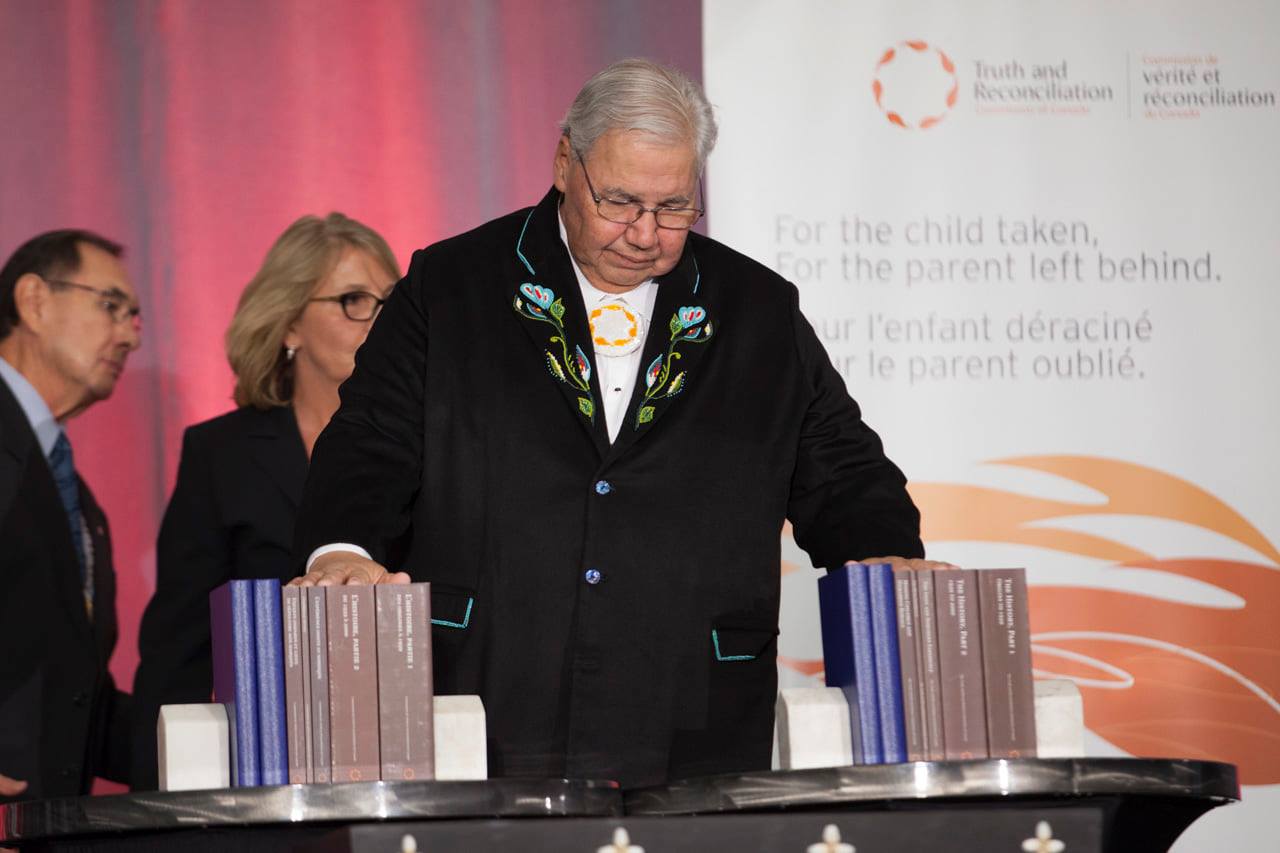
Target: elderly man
{"type": "Point", "coordinates": [68, 321]}
{"type": "Point", "coordinates": [585, 426]}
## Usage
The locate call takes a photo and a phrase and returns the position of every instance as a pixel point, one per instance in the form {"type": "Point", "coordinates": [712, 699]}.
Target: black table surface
{"type": "Point", "coordinates": [941, 780]}
{"type": "Point", "coordinates": [1204, 783]}
{"type": "Point", "coordinates": [301, 804]}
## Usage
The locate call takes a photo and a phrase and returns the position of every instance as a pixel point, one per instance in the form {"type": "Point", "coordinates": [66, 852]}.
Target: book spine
{"type": "Point", "coordinates": [888, 668]}
{"type": "Point", "coordinates": [294, 678]}
{"type": "Point", "coordinates": [1006, 663]}
{"type": "Point", "coordinates": [353, 683]}
{"type": "Point", "coordinates": [909, 663]}
{"type": "Point", "coordinates": [304, 651]}
{"type": "Point", "coordinates": [405, 722]}
{"type": "Point", "coordinates": [273, 728]}
{"type": "Point", "coordinates": [836, 614]}
{"type": "Point", "coordinates": [235, 685]}
{"type": "Point", "coordinates": [845, 606]}
{"type": "Point", "coordinates": [318, 674]}
{"type": "Point", "coordinates": [964, 718]}
{"type": "Point", "coordinates": [930, 678]}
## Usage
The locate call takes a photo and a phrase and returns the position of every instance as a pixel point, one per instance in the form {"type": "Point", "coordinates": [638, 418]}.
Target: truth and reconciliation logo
{"type": "Point", "coordinates": [915, 85]}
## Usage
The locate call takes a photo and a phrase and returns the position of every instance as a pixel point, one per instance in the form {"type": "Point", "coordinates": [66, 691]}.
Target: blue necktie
{"type": "Point", "coordinates": [64, 475]}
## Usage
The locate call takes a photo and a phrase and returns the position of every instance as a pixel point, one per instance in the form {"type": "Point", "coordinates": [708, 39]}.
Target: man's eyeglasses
{"type": "Point", "coordinates": [629, 212]}
{"type": "Point", "coordinates": [358, 305]}
{"type": "Point", "coordinates": [113, 301]}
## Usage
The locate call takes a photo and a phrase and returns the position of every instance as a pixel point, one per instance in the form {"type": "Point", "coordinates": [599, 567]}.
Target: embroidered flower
{"type": "Point", "coordinates": [543, 296]}
{"type": "Point", "coordinates": [691, 315]}
{"type": "Point", "coordinates": [544, 307]}
{"type": "Point", "coordinates": [571, 369]}
{"type": "Point", "coordinates": [651, 375]}
{"type": "Point", "coordinates": [686, 326]}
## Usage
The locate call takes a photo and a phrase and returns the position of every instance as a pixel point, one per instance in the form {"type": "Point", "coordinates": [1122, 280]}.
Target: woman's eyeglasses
{"type": "Point", "coordinates": [358, 305]}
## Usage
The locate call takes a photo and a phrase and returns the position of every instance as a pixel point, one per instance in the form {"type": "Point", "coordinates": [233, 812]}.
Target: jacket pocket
{"type": "Point", "coordinates": [734, 644]}
{"type": "Point", "coordinates": [451, 607]}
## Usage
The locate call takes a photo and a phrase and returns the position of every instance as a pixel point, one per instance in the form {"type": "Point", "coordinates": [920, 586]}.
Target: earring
{"type": "Point", "coordinates": [289, 353]}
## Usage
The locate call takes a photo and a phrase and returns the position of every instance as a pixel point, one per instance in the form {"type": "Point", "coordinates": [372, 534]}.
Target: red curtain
{"type": "Point", "coordinates": [195, 132]}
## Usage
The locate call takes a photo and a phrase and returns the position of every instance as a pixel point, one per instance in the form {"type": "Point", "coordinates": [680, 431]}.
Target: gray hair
{"type": "Point", "coordinates": [636, 94]}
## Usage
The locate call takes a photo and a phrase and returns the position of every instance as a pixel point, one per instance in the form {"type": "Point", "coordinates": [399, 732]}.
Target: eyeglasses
{"type": "Point", "coordinates": [358, 305]}
{"type": "Point", "coordinates": [113, 301]}
{"type": "Point", "coordinates": [629, 212]}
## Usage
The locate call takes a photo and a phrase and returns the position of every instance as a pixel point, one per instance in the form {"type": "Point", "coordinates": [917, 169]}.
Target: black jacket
{"type": "Point", "coordinates": [473, 421]}
{"type": "Point", "coordinates": [231, 516]}
{"type": "Point", "coordinates": [62, 721]}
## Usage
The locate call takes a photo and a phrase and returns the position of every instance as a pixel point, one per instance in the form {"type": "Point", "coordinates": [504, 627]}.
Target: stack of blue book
{"type": "Point", "coordinates": [248, 678]}
{"type": "Point", "coordinates": [860, 650]}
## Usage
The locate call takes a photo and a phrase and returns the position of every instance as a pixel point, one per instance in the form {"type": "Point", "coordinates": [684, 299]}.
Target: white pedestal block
{"type": "Point", "coordinates": [461, 750]}
{"type": "Point", "coordinates": [193, 747]}
{"type": "Point", "coordinates": [813, 728]}
{"type": "Point", "coordinates": [1059, 719]}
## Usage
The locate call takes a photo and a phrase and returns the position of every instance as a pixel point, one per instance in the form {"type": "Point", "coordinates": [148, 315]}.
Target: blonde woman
{"type": "Point", "coordinates": [291, 343]}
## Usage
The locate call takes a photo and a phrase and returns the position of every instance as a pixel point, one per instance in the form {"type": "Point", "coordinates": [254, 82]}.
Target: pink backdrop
{"type": "Point", "coordinates": [195, 132]}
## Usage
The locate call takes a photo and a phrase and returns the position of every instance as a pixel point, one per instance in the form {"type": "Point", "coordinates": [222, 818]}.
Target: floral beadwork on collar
{"type": "Point", "coordinates": [540, 303]}
{"type": "Point", "coordinates": [686, 326]}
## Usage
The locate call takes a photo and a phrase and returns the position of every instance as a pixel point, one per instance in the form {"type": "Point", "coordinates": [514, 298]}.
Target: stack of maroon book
{"type": "Point", "coordinates": [358, 683]}
{"type": "Point", "coordinates": [966, 666]}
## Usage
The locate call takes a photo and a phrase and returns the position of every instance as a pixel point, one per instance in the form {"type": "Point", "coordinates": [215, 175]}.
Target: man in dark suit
{"type": "Point", "coordinates": [68, 321]}
{"type": "Point", "coordinates": [593, 423]}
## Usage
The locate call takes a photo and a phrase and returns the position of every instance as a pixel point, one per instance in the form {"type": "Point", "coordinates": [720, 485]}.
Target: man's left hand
{"type": "Point", "coordinates": [906, 563]}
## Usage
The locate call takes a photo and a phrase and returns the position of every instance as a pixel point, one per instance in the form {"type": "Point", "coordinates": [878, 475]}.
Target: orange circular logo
{"type": "Point", "coordinates": [915, 85]}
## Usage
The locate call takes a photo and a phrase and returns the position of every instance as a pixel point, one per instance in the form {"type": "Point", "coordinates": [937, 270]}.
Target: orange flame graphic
{"type": "Point", "coordinates": [957, 512]}
{"type": "Point", "coordinates": [1162, 678]}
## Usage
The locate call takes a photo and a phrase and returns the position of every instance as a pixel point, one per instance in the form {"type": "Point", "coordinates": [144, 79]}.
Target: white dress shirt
{"type": "Point", "coordinates": [43, 423]}
{"type": "Point", "coordinates": [617, 373]}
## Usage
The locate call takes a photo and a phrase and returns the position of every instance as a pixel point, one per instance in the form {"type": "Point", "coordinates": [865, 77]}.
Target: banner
{"type": "Point", "coordinates": [1039, 243]}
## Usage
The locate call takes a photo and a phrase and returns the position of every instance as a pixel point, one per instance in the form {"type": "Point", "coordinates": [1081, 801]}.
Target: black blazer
{"type": "Point", "coordinates": [62, 721]}
{"type": "Point", "coordinates": [231, 516]}
{"type": "Point", "coordinates": [614, 605]}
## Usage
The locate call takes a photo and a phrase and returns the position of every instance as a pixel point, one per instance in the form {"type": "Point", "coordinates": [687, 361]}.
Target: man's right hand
{"type": "Point", "coordinates": [11, 787]}
{"type": "Point", "coordinates": [346, 567]}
